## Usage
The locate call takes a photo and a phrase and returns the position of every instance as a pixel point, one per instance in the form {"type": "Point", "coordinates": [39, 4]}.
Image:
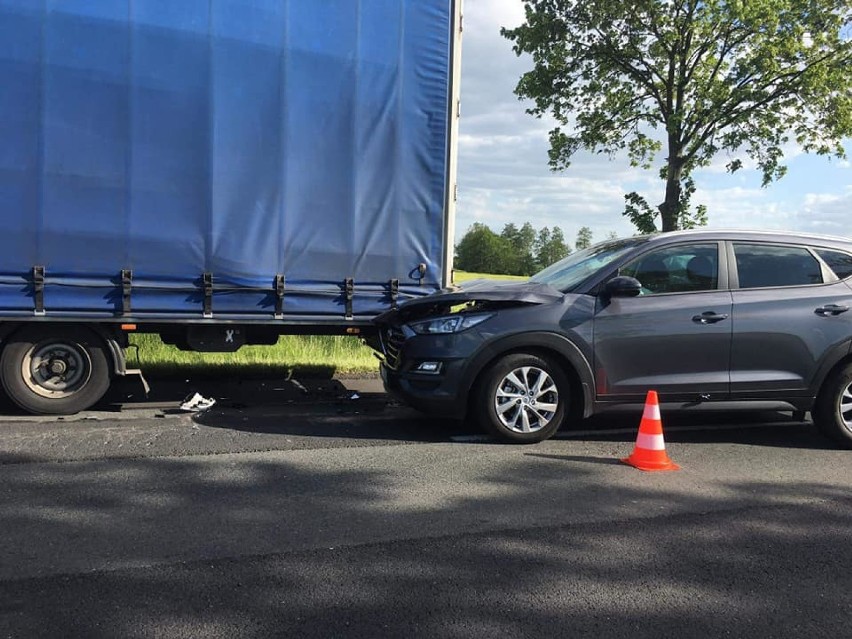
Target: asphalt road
{"type": "Point", "coordinates": [323, 510]}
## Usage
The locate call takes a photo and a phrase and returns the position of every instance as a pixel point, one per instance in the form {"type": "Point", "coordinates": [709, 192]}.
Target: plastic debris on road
{"type": "Point", "coordinates": [196, 402]}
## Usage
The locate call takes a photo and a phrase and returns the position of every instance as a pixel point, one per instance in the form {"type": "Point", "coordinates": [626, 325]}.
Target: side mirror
{"type": "Point", "coordinates": [622, 286]}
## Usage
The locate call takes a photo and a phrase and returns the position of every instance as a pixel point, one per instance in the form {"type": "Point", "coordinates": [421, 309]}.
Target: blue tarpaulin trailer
{"type": "Point", "coordinates": [271, 166]}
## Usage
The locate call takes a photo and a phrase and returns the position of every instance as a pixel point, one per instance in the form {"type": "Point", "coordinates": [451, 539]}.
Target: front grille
{"type": "Point", "coordinates": [392, 339]}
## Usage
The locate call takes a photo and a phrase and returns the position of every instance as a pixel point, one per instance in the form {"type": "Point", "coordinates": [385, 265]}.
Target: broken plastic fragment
{"type": "Point", "coordinates": [196, 402]}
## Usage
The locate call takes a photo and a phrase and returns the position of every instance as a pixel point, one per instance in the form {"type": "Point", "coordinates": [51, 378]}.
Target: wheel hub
{"type": "Point", "coordinates": [56, 369]}
{"type": "Point", "coordinates": [57, 366]}
{"type": "Point", "coordinates": [526, 399]}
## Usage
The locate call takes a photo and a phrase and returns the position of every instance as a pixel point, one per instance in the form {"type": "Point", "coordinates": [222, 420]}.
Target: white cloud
{"type": "Point", "coordinates": [483, 17]}
{"type": "Point", "coordinates": [743, 207]}
{"type": "Point", "coordinates": [740, 207]}
{"type": "Point", "coordinates": [826, 213]}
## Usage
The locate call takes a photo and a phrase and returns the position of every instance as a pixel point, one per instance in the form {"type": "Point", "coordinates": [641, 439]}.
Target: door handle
{"type": "Point", "coordinates": [831, 309]}
{"type": "Point", "coordinates": [709, 317]}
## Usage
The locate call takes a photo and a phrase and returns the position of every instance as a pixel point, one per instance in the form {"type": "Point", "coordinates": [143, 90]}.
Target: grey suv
{"type": "Point", "coordinates": [738, 319]}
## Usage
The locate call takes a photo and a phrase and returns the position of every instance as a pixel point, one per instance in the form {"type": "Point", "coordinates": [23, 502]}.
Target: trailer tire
{"type": "Point", "coordinates": [54, 370]}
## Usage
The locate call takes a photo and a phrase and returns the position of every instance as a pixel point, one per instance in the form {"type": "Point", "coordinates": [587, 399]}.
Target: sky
{"type": "Point", "coordinates": [504, 177]}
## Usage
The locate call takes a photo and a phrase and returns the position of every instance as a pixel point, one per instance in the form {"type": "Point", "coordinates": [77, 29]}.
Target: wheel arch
{"type": "Point", "coordinates": [828, 413]}
{"type": "Point", "coordinates": [113, 338]}
{"type": "Point", "coordinates": [839, 356]}
{"type": "Point", "coordinates": [572, 360]}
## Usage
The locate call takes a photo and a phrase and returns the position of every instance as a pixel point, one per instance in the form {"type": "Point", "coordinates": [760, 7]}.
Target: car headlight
{"type": "Point", "coordinates": [449, 324]}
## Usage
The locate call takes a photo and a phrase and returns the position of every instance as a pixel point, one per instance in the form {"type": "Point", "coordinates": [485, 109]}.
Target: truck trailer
{"type": "Point", "coordinates": [217, 172]}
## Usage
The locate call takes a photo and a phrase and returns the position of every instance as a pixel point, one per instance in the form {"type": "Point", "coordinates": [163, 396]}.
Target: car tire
{"type": "Point", "coordinates": [832, 412]}
{"type": "Point", "coordinates": [54, 370]}
{"type": "Point", "coordinates": [523, 398]}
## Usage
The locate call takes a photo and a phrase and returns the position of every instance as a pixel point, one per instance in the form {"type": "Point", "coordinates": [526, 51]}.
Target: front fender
{"type": "Point", "coordinates": [557, 344]}
{"type": "Point", "coordinates": [829, 361]}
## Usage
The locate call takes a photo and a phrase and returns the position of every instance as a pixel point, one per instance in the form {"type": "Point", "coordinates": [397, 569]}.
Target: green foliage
{"type": "Point", "coordinates": [550, 247]}
{"type": "Point", "coordinates": [640, 213]}
{"type": "Point", "coordinates": [693, 78]}
{"type": "Point", "coordinates": [584, 238]}
{"type": "Point", "coordinates": [518, 252]}
{"type": "Point", "coordinates": [523, 248]}
{"type": "Point", "coordinates": [483, 250]}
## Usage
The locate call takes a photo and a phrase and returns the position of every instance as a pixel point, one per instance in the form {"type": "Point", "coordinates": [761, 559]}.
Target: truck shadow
{"type": "Point", "coordinates": [295, 547]}
{"type": "Point", "coordinates": [308, 406]}
{"type": "Point", "coordinates": [368, 417]}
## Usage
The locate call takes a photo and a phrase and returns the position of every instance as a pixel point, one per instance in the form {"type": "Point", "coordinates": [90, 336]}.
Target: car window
{"type": "Point", "coordinates": [571, 271]}
{"type": "Point", "coordinates": [762, 265]}
{"type": "Point", "coordinates": [840, 263]}
{"type": "Point", "coordinates": [676, 269]}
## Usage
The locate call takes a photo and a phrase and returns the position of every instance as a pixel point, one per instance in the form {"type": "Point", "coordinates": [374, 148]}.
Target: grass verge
{"type": "Point", "coordinates": [464, 276]}
{"type": "Point", "coordinates": [301, 355]}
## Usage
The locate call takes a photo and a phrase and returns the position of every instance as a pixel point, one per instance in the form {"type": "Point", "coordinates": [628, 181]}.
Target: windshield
{"type": "Point", "coordinates": [568, 273]}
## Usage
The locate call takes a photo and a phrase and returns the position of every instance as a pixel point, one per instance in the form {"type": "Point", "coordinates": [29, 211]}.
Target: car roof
{"type": "Point", "coordinates": [753, 235]}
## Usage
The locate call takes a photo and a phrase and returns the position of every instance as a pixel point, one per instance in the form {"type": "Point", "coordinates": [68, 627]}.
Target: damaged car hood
{"type": "Point", "coordinates": [520, 293]}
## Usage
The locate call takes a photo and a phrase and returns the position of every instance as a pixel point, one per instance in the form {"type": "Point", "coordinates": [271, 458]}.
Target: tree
{"type": "Point", "coordinates": [696, 77]}
{"type": "Point", "coordinates": [550, 247]}
{"type": "Point", "coordinates": [523, 247]}
{"type": "Point", "coordinates": [541, 242]}
{"type": "Point", "coordinates": [510, 234]}
{"type": "Point", "coordinates": [483, 251]}
{"type": "Point", "coordinates": [584, 238]}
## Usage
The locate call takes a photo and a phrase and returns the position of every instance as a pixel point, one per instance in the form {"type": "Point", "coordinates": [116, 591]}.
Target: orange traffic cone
{"type": "Point", "coordinates": [650, 450]}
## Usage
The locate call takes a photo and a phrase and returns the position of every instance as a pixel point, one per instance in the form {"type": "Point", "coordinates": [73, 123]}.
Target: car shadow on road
{"type": "Point", "coordinates": [763, 428]}
{"type": "Point", "coordinates": [586, 459]}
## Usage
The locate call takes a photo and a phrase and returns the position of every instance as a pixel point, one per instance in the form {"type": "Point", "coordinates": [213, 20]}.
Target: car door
{"type": "Point", "coordinates": [675, 337]}
{"type": "Point", "coordinates": [790, 313]}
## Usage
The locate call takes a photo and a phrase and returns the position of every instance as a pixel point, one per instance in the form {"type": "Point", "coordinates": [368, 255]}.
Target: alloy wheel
{"type": "Point", "coordinates": [526, 399]}
{"type": "Point", "coordinates": [846, 407]}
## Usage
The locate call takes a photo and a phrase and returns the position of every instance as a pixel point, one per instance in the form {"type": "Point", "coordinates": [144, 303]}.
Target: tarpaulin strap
{"type": "Point", "coordinates": [38, 289]}
{"type": "Point", "coordinates": [126, 285]}
{"type": "Point", "coordinates": [349, 290]}
{"type": "Point", "coordinates": [394, 293]}
{"type": "Point", "coordinates": [207, 282]}
{"type": "Point", "coordinates": [279, 296]}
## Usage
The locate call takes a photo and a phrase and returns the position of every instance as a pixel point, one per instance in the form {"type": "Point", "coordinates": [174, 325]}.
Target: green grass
{"type": "Point", "coordinates": [306, 355]}
{"type": "Point", "coordinates": [312, 355]}
{"type": "Point", "coordinates": [464, 276]}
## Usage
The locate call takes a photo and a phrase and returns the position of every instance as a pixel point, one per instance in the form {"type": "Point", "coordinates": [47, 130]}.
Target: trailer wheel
{"type": "Point", "coordinates": [54, 370]}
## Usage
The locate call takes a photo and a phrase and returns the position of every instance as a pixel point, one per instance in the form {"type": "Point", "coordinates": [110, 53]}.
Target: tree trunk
{"type": "Point", "coordinates": [670, 208]}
